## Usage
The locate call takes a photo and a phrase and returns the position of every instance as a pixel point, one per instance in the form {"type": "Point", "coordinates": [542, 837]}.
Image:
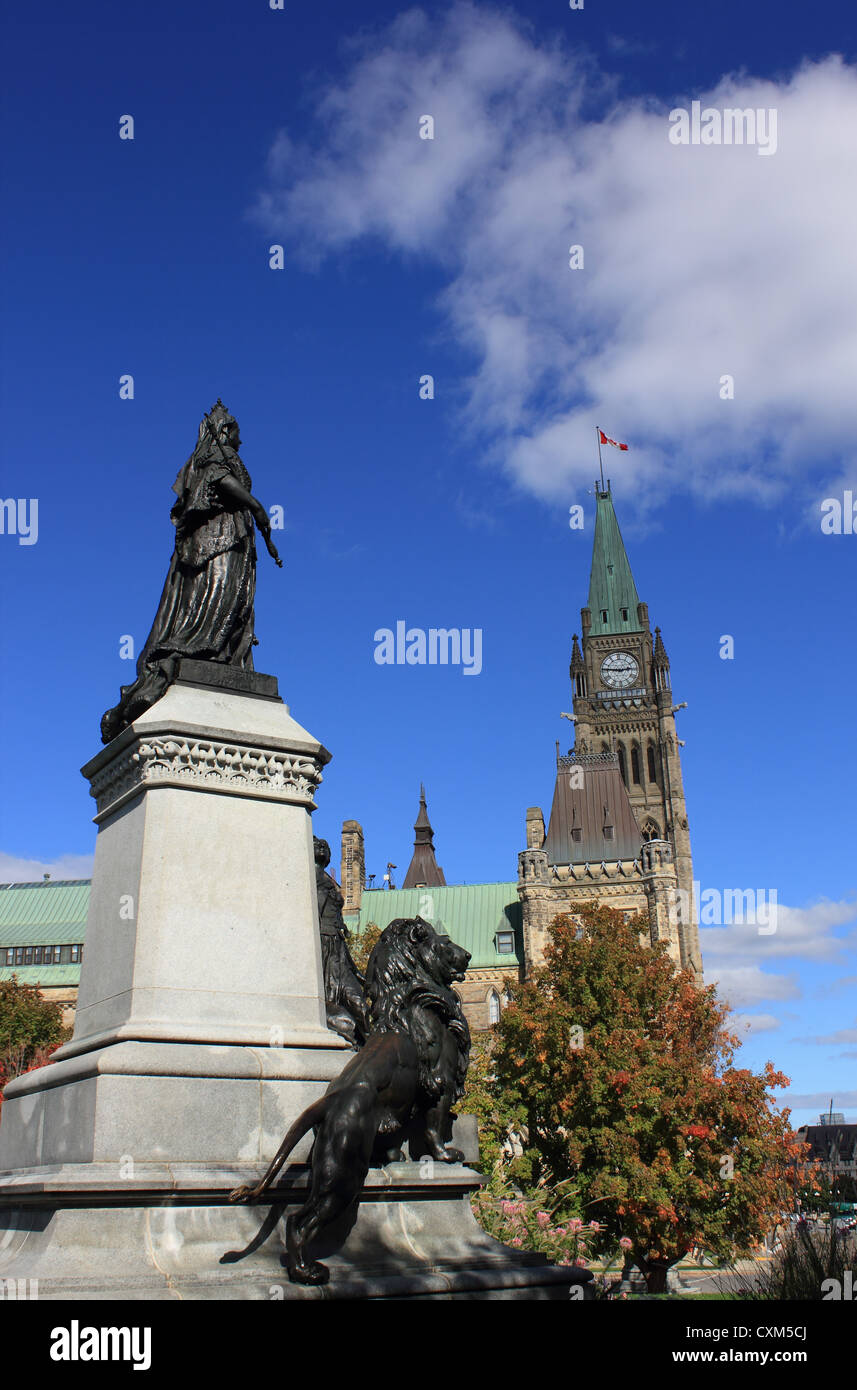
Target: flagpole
{"type": "Point", "coordinates": [600, 464]}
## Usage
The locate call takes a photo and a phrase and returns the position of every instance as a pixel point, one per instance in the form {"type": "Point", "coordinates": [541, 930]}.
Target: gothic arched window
{"type": "Point", "coordinates": [620, 749]}
{"type": "Point", "coordinates": [635, 763]}
{"type": "Point", "coordinates": [653, 771]}
{"type": "Point", "coordinates": [493, 1007]}
{"type": "Point", "coordinates": [651, 831]}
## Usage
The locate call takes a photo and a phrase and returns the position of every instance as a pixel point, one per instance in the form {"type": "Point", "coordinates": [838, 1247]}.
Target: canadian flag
{"type": "Point", "coordinates": [614, 442]}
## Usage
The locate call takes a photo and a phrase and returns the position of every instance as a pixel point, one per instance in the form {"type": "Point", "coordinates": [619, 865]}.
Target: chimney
{"type": "Point", "coordinates": [353, 867]}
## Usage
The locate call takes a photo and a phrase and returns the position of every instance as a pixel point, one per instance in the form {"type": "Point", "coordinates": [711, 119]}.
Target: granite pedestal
{"type": "Point", "coordinates": [200, 1036]}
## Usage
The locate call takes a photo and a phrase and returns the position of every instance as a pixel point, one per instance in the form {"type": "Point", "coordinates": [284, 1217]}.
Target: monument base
{"type": "Point", "coordinates": [85, 1232]}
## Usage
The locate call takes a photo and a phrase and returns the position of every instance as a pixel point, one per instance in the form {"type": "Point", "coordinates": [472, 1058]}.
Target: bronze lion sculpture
{"type": "Point", "coordinates": [400, 1085]}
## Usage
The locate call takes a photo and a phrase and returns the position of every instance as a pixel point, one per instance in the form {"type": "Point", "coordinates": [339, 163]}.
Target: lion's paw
{"type": "Point", "coordinates": [312, 1273]}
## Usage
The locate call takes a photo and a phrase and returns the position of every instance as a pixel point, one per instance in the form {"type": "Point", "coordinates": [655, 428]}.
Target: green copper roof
{"type": "Point", "coordinates": [54, 913]}
{"type": "Point", "coordinates": [45, 976]}
{"type": "Point", "coordinates": [50, 913]}
{"type": "Point", "coordinates": [611, 583]}
{"type": "Point", "coordinates": [470, 913]}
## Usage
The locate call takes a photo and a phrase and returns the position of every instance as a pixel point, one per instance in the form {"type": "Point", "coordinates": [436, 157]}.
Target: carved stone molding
{"type": "Point", "coordinates": [581, 891]}
{"type": "Point", "coordinates": [205, 765]}
{"type": "Point", "coordinates": [533, 866]}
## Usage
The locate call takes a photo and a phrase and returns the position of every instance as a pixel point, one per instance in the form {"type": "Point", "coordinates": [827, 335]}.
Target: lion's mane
{"type": "Point", "coordinates": [408, 984]}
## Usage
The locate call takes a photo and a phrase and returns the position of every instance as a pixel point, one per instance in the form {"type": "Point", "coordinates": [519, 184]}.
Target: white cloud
{"type": "Point", "coordinates": [805, 932]}
{"type": "Point", "coordinates": [733, 955]}
{"type": "Point", "coordinates": [754, 1023]}
{"type": "Point", "coordinates": [840, 1038]}
{"type": "Point", "coordinates": [843, 985]}
{"type": "Point", "coordinates": [699, 261]}
{"type": "Point", "coordinates": [820, 1100]}
{"type": "Point", "coordinates": [16, 870]}
{"type": "Point", "coordinates": [744, 985]}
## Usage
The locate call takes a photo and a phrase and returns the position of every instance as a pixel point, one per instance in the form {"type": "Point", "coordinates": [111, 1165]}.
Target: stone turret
{"type": "Point", "coordinates": [353, 866]}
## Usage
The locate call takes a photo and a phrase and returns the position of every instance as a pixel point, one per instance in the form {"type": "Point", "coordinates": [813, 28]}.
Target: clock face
{"type": "Point", "coordinates": [619, 670]}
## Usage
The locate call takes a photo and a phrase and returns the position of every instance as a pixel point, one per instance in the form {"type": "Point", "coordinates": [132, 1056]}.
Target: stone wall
{"type": "Point", "coordinates": [476, 988]}
{"type": "Point", "coordinates": [62, 994]}
{"type": "Point", "coordinates": [647, 886]}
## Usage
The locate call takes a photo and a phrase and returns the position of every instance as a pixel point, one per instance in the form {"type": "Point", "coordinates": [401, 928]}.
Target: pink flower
{"type": "Point", "coordinates": [580, 1263]}
{"type": "Point", "coordinates": [594, 1226]}
{"type": "Point", "coordinates": [625, 1243]}
{"type": "Point", "coordinates": [508, 1208]}
{"type": "Point", "coordinates": [543, 1219]}
{"type": "Point", "coordinates": [517, 1240]}
{"type": "Point", "coordinates": [575, 1224]}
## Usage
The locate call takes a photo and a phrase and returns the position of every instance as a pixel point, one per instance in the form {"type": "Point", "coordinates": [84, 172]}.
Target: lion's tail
{"type": "Point", "coordinates": [312, 1116]}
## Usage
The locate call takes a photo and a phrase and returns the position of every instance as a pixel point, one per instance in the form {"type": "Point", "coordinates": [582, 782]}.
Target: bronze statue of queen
{"type": "Point", "coordinates": [206, 608]}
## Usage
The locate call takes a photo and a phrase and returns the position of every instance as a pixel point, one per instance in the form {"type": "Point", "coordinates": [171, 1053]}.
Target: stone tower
{"type": "Point", "coordinates": [618, 829]}
{"type": "Point", "coordinates": [353, 866]}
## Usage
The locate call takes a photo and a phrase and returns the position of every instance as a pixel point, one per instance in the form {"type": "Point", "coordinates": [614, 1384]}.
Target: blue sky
{"type": "Point", "coordinates": [404, 257]}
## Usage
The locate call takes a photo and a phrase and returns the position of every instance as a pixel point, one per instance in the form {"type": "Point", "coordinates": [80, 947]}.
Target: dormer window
{"type": "Point", "coordinates": [604, 615]}
{"type": "Point", "coordinates": [576, 833]}
{"type": "Point", "coordinates": [624, 615]}
{"type": "Point", "coordinates": [505, 943]}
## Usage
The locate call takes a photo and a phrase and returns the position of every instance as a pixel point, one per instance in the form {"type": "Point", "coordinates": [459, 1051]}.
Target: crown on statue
{"type": "Point", "coordinates": [219, 416]}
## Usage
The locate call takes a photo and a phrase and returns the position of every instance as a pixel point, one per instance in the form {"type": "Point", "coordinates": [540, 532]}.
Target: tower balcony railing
{"type": "Point", "coordinates": [566, 761]}
{"type": "Point", "coordinates": [630, 693]}
{"type": "Point", "coordinates": [534, 870]}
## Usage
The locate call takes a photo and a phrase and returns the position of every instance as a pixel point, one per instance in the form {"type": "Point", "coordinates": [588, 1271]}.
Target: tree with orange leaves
{"type": "Point", "coordinates": [622, 1068]}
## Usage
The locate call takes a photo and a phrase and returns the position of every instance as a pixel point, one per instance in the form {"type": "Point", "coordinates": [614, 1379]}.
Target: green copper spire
{"type": "Point", "coordinates": [612, 590]}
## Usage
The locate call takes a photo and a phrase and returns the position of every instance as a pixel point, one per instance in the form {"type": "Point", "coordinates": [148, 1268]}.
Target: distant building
{"type": "Point", "coordinates": [834, 1146]}
{"type": "Point", "coordinates": [42, 928]}
{"type": "Point", "coordinates": [832, 1117]}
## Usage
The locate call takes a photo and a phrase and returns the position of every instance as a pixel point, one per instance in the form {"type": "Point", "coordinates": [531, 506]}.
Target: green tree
{"type": "Point", "coordinates": [500, 1113]}
{"type": "Point", "coordinates": [363, 944]}
{"type": "Point", "coordinates": [30, 1029]}
{"type": "Point", "coordinates": [616, 1072]}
